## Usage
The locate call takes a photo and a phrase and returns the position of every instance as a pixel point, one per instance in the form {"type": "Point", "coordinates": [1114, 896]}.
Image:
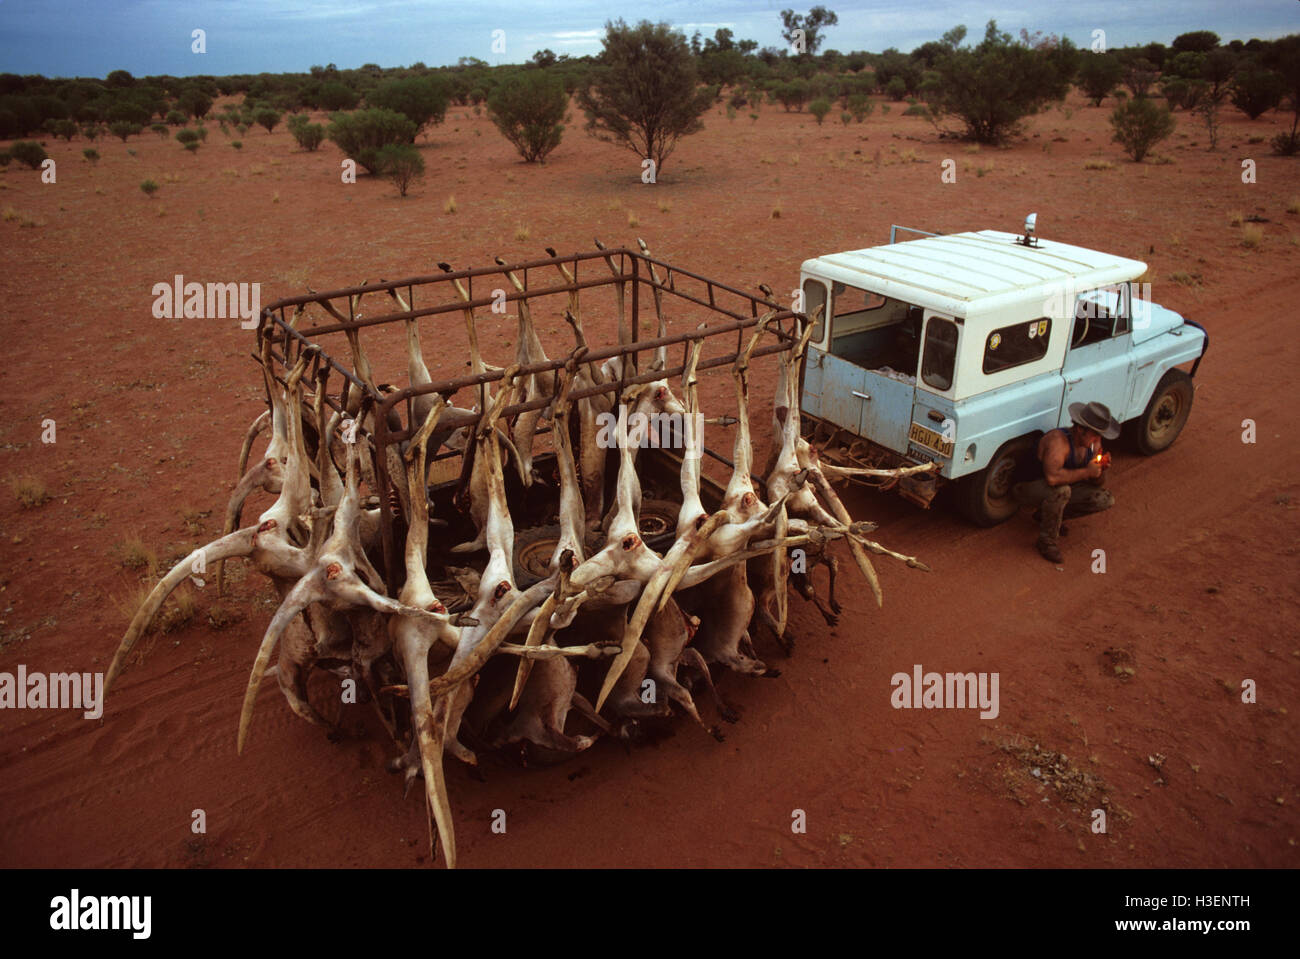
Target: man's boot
{"type": "Point", "coordinates": [1049, 525]}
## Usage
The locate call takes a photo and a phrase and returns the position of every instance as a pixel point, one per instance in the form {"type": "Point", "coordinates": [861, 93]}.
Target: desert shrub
{"type": "Point", "coordinates": [896, 88]}
{"type": "Point", "coordinates": [175, 118]}
{"type": "Point", "coordinates": [917, 110]}
{"type": "Point", "coordinates": [1139, 125]}
{"type": "Point", "coordinates": [422, 100]}
{"type": "Point", "coordinates": [267, 117]}
{"type": "Point", "coordinates": [527, 108]}
{"type": "Point", "coordinates": [91, 154]}
{"type": "Point", "coordinates": [194, 102]}
{"type": "Point", "coordinates": [192, 146]}
{"type": "Point", "coordinates": [187, 135]}
{"type": "Point", "coordinates": [1286, 144]}
{"type": "Point", "coordinates": [861, 105]}
{"type": "Point", "coordinates": [149, 187]}
{"type": "Point", "coordinates": [363, 133]}
{"type": "Point", "coordinates": [237, 144]}
{"type": "Point", "coordinates": [819, 108]}
{"type": "Point", "coordinates": [124, 129]}
{"type": "Point", "coordinates": [994, 86]}
{"type": "Point", "coordinates": [792, 95]}
{"type": "Point", "coordinates": [28, 152]}
{"type": "Point", "coordinates": [1257, 90]}
{"type": "Point", "coordinates": [1098, 75]}
{"type": "Point", "coordinates": [92, 131]}
{"type": "Point", "coordinates": [1139, 74]}
{"type": "Point", "coordinates": [161, 130]}
{"type": "Point", "coordinates": [5, 158]}
{"type": "Point", "coordinates": [643, 93]}
{"type": "Point", "coordinates": [309, 136]}
{"type": "Point", "coordinates": [401, 163]}
{"type": "Point", "coordinates": [335, 95]}
{"type": "Point", "coordinates": [64, 129]}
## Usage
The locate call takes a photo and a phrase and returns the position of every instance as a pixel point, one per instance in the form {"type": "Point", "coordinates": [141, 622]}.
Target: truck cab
{"type": "Point", "coordinates": [963, 349]}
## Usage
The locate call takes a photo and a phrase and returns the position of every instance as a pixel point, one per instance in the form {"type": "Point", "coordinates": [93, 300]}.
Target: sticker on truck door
{"type": "Point", "coordinates": [924, 436]}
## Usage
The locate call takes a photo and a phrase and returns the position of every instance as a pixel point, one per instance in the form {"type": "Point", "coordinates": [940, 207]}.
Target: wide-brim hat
{"type": "Point", "coordinates": [1095, 417]}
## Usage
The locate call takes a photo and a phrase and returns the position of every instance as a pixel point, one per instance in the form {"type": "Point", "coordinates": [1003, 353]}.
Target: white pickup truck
{"type": "Point", "coordinates": [965, 348]}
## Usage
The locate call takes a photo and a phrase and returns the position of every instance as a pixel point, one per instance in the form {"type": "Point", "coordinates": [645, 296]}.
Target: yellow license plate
{"type": "Point", "coordinates": [927, 437]}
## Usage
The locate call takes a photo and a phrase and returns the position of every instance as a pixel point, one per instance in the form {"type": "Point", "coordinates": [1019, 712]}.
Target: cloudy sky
{"type": "Point", "coordinates": [92, 37]}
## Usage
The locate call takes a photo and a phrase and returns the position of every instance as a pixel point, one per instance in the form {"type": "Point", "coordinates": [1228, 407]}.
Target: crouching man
{"type": "Point", "coordinates": [1074, 472]}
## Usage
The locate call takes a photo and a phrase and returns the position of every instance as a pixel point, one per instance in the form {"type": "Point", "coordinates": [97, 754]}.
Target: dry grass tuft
{"type": "Point", "coordinates": [30, 491]}
{"type": "Point", "coordinates": [136, 555]}
{"type": "Point", "coordinates": [1252, 236]}
{"type": "Point", "coordinates": [450, 206]}
{"type": "Point", "coordinates": [1236, 218]}
{"type": "Point", "coordinates": [522, 232]}
{"type": "Point", "coordinates": [1098, 165]}
{"type": "Point", "coordinates": [632, 219]}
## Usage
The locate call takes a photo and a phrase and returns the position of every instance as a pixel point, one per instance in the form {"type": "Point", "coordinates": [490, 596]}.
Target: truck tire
{"type": "Point", "coordinates": [1166, 414]}
{"type": "Point", "coordinates": [985, 497]}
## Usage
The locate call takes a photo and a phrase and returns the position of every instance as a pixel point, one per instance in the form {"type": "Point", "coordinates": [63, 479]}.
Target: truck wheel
{"type": "Point", "coordinates": [1163, 419]}
{"type": "Point", "coordinates": [985, 497]}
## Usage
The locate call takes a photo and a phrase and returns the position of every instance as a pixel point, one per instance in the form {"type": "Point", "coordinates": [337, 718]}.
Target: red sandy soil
{"type": "Point", "coordinates": [1200, 591]}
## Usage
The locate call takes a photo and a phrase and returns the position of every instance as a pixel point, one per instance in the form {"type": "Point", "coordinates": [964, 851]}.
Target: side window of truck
{"type": "Point", "coordinates": [940, 353]}
{"type": "Point", "coordinates": [814, 296]}
{"type": "Point", "coordinates": [1099, 315]}
{"type": "Point", "coordinates": [1015, 345]}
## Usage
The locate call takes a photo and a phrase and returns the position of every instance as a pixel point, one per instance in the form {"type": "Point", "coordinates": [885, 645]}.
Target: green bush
{"type": "Point", "coordinates": [175, 118]}
{"type": "Point", "coordinates": [6, 157]}
{"type": "Point", "coordinates": [64, 129]}
{"type": "Point", "coordinates": [308, 135]}
{"type": "Point", "coordinates": [363, 133]}
{"type": "Point", "coordinates": [237, 144]}
{"type": "Point", "coordinates": [192, 146]}
{"type": "Point", "coordinates": [917, 110]}
{"type": "Point", "coordinates": [896, 88]}
{"type": "Point", "coordinates": [124, 129]}
{"type": "Point", "coordinates": [92, 131]}
{"type": "Point", "coordinates": [267, 117]}
{"type": "Point", "coordinates": [819, 108]}
{"type": "Point", "coordinates": [194, 102]}
{"type": "Point", "coordinates": [1257, 90]}
{"type": "Point", "coordinates": [527, 108]}
{"type": "Point", "coordinates": [334, 96]}
{"type": "Point", "coordinates": [992, 87]}
{"type": "Point", "coordinates": [792, 95]}
{"type": "Point", "coordinates": [644, 92]}
{"type": "Point", "coordinates": [422, 100]}
{"type": "Point", "coordinates": [28, 152]}
{"type": "Point", "coordinates": [861, 105]}
{"type": "Point", "coordinates": [91, 154]}
{"type": "Point", "coordinates": [1098, 75]}
{"type": "Point", "coordinates": [1286, 144]}
{"type": "Point", "coordinates": [401, 163]}
{"type": "Point", "coordinates": [160, 129]}
{"type": "Point", "coordinates": [187, 135]}
{"type": "Point", "coordinates": [1139, 125]}
{"type": "Point", "coordinates": [149, 187]}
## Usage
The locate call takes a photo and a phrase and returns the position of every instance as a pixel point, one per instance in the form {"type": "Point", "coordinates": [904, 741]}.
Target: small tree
{"type": "Point", "coordinates": [308, 135]}
{"type": "Point", "coordinates": [896, 88]}
{"type": "Point", "coordinates": [861, 105]}
{"type": "Point", "coordinates": [28, 152]}
{"type": "Point", "coordinates": [161, 130]}
{"type": "Point", "coordinates": [643, 93]}
{"type": "Point", "coordinates": [792, 95]}
{"type": "Point", "coordinates": [91, 154]}
{"type": "Point", "coordinates": [527, 108]}
{"type": "Point", "coordinates": [92, 131]}
{"type": "Point", "coordinates": [1257, 90]}
{"type": "Point", "coordinates": [422, 100]}
{"type": "Point", "coordinates": [819, 108]}
{"type": "Point", "coordinates": [1139, 125]}
{"type": "Point", "coordinates": [1098, 75]}
{"type": "Point", "coordinates": [362, 134]}
{"type": "Point", "coordinates": [149, 187]}
{"type": "Point", "coordinates": [401, 163]}
{"type": "Point", "coordinates": [993, 87]}
{"type": "Point", "coordinates": [194, 102]}
{"type": "Point", "coordinates": [124, 129]}
{"type": "Point", "coordinates": [809, 27]}
{"type": "Point", "coordinates": [267, 117]}
{"type": "Point", "coordinates": [1139, 75]}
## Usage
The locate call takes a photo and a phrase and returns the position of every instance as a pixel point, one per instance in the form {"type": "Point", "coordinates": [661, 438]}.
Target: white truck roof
{"type": "Point", "coordinates": [964, 273]}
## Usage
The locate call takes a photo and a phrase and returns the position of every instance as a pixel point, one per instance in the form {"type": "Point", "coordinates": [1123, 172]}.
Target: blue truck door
{"type": "Point", "coordinates": [842, 387]}
{"type": "Point", "coordinates": [1098, 372]}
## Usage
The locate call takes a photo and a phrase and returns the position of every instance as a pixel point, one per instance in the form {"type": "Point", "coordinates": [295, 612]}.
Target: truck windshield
{"type": "Point", "coordinates": [940, 353]}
